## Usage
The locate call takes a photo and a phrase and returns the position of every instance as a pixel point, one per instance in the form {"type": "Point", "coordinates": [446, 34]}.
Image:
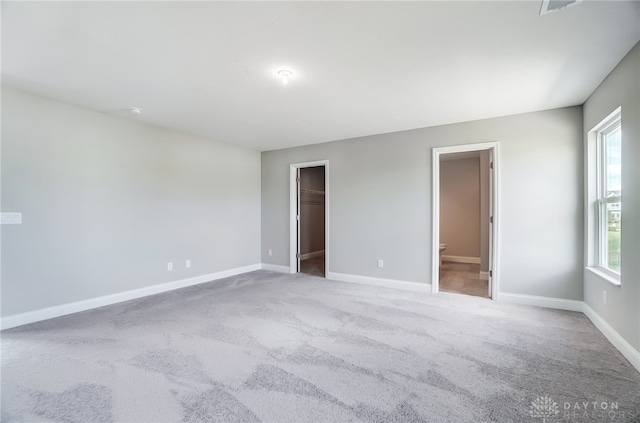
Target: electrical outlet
{"type": "Point", "coordinates": [380, 263]}
{"type": "Point", "coordinates": [187, 264]}
{"type": "Point", "coordinates": [169, 267]}
{"type": "Point", "coordinates": [604, 297]}
{"type": "Point", "coordinates": [270, 252]}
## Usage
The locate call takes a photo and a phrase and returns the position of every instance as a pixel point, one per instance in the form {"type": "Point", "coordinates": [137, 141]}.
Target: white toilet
{"type": "Point", "coordinates": [442, 248]}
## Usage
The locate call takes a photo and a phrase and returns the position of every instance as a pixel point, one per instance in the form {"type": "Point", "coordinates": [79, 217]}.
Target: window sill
{"type": "Point", "coordinates": [604, 275]}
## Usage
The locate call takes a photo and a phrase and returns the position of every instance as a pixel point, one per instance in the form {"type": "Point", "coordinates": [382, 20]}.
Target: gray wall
{"type": "Point", "coordinates": [621, 88]}
{"type": "Point", "coordinates": [108, 201]}
{"type": "Point", "coordinates": [460, 207]}
{"type": "Point", "coordinates": [380, 200]}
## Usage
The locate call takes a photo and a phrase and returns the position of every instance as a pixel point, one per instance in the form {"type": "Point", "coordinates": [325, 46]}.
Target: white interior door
{"type": "Point", "coordinates": [298, 218]}
{"type": "Point", "coordinates": [491, 193]}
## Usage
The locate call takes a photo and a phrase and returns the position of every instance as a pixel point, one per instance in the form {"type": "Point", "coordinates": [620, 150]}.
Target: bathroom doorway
{"type": "Point", "coordinates": [309, 218]}
{"type": "Point", "coordinates": [465, 219]}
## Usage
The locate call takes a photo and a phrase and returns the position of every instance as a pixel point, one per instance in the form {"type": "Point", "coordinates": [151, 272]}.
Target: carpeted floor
{"type": "Point", "coordinates": [272, 347]}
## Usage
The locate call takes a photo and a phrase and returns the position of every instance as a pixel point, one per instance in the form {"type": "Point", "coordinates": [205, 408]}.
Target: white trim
{"type": "Point", "coordinates": [312, 254]}
{"type": "Point", "coordinates": [494, 265]}
{"type": "Point", "coordinates": [534, 300]}
{"type": "Point", "coordinates": [609, 332]}
{"type": "Point", "coordinates": [293, 223]}
{"type": "Point", "coordinates": [593, 196]}
{"type": "Point", "coordinates": [605, 275]}
{"type": "Point", "coordinates": [293, 205]}
{"type": "Point", "coordinates": [436, 256]}
{"type": "Point", "coordinates": [483, 276]}
{"type": "Point", "coordinates": [83, 305]}
{"type": "Point", "coordinates": [385, 283]}
{"type": "Point", "coordinates": [462, 259]}
{"type": "Point", "coordinates": [275, 267]}
{"type": "Point", "coordinates": [614, 337]}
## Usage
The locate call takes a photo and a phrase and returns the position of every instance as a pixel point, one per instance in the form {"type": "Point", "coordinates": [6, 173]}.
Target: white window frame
{"type": "Point", "coordinates": [597, 200]}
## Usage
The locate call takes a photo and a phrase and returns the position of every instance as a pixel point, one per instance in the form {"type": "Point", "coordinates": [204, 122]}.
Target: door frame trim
{"type": "Point", "coordinates": [293, 206]}
{"type": "Point", "coordinates": [494, 149]}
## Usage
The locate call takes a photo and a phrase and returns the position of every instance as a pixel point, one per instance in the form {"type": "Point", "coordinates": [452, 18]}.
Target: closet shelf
{"type": "Point", "coordinates": [311, 191]}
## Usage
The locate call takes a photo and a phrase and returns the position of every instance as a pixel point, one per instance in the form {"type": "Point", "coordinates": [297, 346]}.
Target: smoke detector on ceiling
{"type": "Point", "coordinates": [549, 6]}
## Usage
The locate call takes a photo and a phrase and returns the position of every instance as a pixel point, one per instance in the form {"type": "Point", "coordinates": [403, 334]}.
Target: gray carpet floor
{"type": "Point", "coordinates": [271, 347]}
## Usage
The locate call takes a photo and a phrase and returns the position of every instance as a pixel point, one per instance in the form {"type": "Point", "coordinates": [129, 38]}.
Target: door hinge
{"type": "Point", "coordinates": [491, 219]}
{"type": "Point", "coordinates": [298, 217]}
{"type": "Point", "coordinates": [491, 165]}
{"type": "Point", "coordinates": [490, 273]}
{"type": "Point", "coordinates": [297, 255]}
{"type": "Point", "coordinates": [297, 179]}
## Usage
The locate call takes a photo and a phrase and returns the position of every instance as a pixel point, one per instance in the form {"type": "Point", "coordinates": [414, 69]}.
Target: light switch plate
{"type": "Point", "coordinates": [11, 218]}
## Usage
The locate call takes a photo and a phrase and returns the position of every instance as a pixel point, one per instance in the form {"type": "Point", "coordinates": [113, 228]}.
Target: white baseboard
{"type": "Point", "coordinates": [385, 283]}
{"type": "Point", "coordinates": [312, 254]}
{"type": "Point", "coordinates": [614, 337]}
{"type": "Point", "coordinates": [534, 300]}
{"type": "Point", "coordinates": [610, 333]}
{"type": "Point", "coordinates": [75, 307]}
{"type": "Point", "coordinates": [461, 259]}
{"type": "Point", "coordinates": [275, 268]}
{"type": "Point", "coordinates": [483, 276]}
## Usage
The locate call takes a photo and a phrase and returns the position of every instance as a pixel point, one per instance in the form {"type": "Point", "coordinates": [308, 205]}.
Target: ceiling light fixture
{"type": "Point", "coordinates": [285, 75]}
{"type": "Point", "coordinates": [135, 111]}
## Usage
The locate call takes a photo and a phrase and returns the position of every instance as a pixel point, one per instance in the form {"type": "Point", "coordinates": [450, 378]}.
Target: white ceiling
{"type": "Point", "coordinates": [360, 68]}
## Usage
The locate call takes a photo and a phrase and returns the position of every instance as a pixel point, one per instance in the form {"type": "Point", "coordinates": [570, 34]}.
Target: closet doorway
{"type": "Point", "coordinates": [309, 218]}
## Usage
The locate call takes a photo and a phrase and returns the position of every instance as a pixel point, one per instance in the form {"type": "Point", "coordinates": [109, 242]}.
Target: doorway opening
{"type": "Point", "coordinates": [309, 218]}
{"type": "Point", "coordinates": [465, 219]}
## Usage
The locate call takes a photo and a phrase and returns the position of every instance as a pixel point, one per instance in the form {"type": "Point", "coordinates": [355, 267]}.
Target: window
{"type": "Point", "coordinates": [606, 139]}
